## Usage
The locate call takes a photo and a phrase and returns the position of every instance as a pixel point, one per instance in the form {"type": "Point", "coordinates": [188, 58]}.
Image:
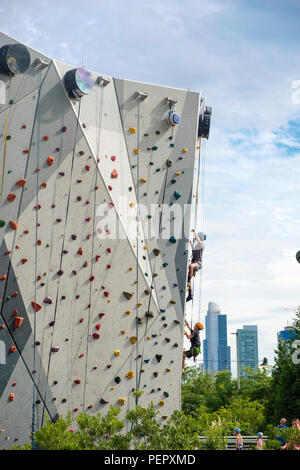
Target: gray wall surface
{"type": "Point", "coordinates": [109, 171]}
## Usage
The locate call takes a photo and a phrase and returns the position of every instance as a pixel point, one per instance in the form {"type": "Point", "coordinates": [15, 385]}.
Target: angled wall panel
{"type": "Point", "coordinates": [85, 181]}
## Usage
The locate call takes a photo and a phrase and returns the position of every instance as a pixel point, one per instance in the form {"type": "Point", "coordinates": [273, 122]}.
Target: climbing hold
{"type": "Point", "coordinates": [169, 162]}
{"type": "Point", "coordinates": [117, 352]}
{"type": "Point", "coordinates": [11, 197]}
{"type": "Point", "coordinates": [2, 223]}
{"type": "Point", "coordinates": [128, 312]}
{"type": "Point", "coordinates": [114, 174]}
{"type": "Point", "coordinates": [165, 265]}
{"type": "Point", "coordinates": [50, 160]}
{"type": "Point", "coordinates": [23, 261]}
{"type": "Point", "coordinates": [123, 332]}
{"type": "Point", "coordinates": [122, 401]}
{"type": "Point", "coordinates": [103, 402]}
{"type": "Point", "coordinates": [132, 130]}
{"type": "Point", "coordinates": [54, 349]}
{"type": "Point", "coordinates": [18, 322]}
{"type": "Point", "coordinates": [36, 307]}
{"type": "Point", "coordinates": [136, 151]}
{"type": "Point", "coordinates": [3, 277]}
{"type": "Point", "coordinates": [133, 339]}
{"type": "Point", "coordinates": [178, 172]}
{"type": "Point", "coordinates": [184, 150]}
{"type": "Point", "coordinates": [129, 374]}
{"type": "Point", "coordinates": [149, 314]}
{"type": "Point", "coordinates": [46, 137]}
{"type": "Point", "coordinates": [154, 147]}
{"type": "Point", "coordinates": [143, 180]}
{"type": "Point", "coordinates": [47, 300]}
{"type": "Point", "coordinates": [128, 295]}
{"type": "Point", "coordinates": [11, 397]}
{"type": "Point", "coordinates": [12, 349]}
{"type": "Point", "coordinates": [79, 251]}
{"type": "Point", "coordinates": [117, 380]}
{"type": "Point", "coordinates": [77, 381]}
{"type": "Point", "coordinates": [13, 225]}
{"type": "Point", "coordinates": [156, 251]}
{"type": "Point", "coordinates": [158, 357]}
{"type": "Point", "coordinates": [172, 239]}
{"type": "Point", "coordinates": [177, 195]}
{"type": "Point", "coordinates": [172, 301]}
{"type": "Point", "coordinates": [161, 403]}
{"type": "Point", "coordinates": [166, 394]}
{"type": "Point", "coordinates": [96, 335]}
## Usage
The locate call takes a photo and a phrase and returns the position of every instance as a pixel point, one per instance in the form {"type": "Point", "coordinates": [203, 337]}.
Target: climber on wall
{"type": "Point", "coordinates": [196, 262]}
{"type": "Point", "coordinates": [194, 337]}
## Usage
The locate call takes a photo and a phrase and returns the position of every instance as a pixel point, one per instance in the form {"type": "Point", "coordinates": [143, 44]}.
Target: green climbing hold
{"type": "Point", "coordinates": [11, 101]}
{"type": "Point", "coordinates": [166, 394]}
{"type": "Point", "coordinates": [154, 147]}
{"type": "Point", "coordinates": [9, 171]}
{"type": "Point", "coordinates": [172, 239]}
{"type": "Point", "coordinates": [172, 145]}
{"type": "Point", "coordinates": [165, 265]}
{"type": "Point", "coordinates": [8, 137]}
{"type": "Point", "coordinates": [177, 195]}
{"type": "Point", "coordinates": [2, 223]}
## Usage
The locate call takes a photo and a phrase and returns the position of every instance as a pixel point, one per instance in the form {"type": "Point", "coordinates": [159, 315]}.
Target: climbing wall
{"type": "Point", "coordinates": [95, 210]}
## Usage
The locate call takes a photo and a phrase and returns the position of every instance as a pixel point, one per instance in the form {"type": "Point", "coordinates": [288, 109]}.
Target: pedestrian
{"type": "Point", "coordinates": [294, 444]}
{"type": "Point", "coordinates": [259, 441]}
{"type": "Point", "coordinates": [238, 439]}
{"type": "Point", "coordinates": [281, 426]}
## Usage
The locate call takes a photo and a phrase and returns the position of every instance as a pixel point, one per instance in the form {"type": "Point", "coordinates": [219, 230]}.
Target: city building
{"type": "Point", "coordinates": [247, 348]}
{"type": "Point", "coordinates": [216, 352]}
{"type": "Point", "coordinates": [286, 334]}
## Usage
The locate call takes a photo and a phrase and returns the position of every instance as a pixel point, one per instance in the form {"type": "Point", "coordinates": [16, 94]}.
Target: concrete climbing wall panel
{"type": "Point", "coordinates": [92, 273]}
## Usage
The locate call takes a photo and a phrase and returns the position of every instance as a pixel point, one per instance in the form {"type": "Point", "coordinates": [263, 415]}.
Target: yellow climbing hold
{"type": "Point", "coordinates": [161, 403]}
{"type": "Point", "coordinates": [133, 339]}
{"type": "Point", "coordinates": [112, 388]}
{"type": "Point", "coordinates": [117, 352]}
{"type": "Point", "coordinates": [130, 268]}
{"type": "Point", "coordinates": [131, 204]}
{"type": "Point", "coordinates": [122, 401]}
{"type": "Point", "coordinates": [178, 173]}
{"type": "Point", "coordinates": [128, 312]}
{"type": "Point", "coordinates": [184, 150]}
{"type": "Point", "coordinates": [168, 369]}
{"type": "Point", "coordinates": [139, 304]}
{"type": "Point", "coordinates": [136, 151]}
{"type": "Point", "coordinates": [129, 374]}
{"type": "Point", "coordinates": [143, 180]}
{"type": "Point", "coordinates": [148, 337]}
{"type": "Point", "coordinates": [132, 130]}
{"type": "Point", "coordinates": [123, 332]}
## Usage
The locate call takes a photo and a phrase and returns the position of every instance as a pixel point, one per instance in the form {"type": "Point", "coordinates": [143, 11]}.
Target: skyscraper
{"type": "Point", "coordinates": [216, 353]}
{"type": "Point", "coordinates": [247, 345]}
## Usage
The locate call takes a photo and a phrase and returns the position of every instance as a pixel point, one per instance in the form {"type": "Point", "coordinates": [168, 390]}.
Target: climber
{"type": "Point", "coordinates": [194, 337]}
{"type": "Point", "coordinates": [196, 262]}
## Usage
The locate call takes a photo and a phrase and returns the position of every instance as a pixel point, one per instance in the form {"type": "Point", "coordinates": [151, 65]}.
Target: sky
{"type": "Point", "coordinates": [244, 56]}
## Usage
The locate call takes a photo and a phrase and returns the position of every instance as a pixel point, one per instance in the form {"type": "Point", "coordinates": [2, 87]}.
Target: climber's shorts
{"type": "Point", "coordinates": [193, 352]}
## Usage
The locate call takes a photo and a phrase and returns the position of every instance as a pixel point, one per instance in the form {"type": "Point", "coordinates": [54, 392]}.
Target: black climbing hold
{"type": "Point", "coordinates": [158, 357]}
{"type": "Point", "coordinates": [117, 380]}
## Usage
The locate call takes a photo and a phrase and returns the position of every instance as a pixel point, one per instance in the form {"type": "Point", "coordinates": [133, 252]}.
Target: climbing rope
{"type": "Point", "coordinates": [5, 139]}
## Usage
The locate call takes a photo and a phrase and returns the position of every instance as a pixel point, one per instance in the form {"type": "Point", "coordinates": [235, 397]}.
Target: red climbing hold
{"type": "Point", "coordinates": [108, 250]}
{"type": "Point", "coordinates": [108, 266]}
{"type": "Point", "coordinates": [106, 294]}
{"type": "Point", "coordinates": [97, 257]}
{"type": "Point", "coordinates": [113, 158]}
{"type": "Point", "coordinates": [2, 278]}
{"type": "Point", "coordinates": [21, 182]}
{"type": "Point", "coordinates": [50, 160]}
{"type": "Point", "coordinates": [26, 151]}
{"type": "Point", "coordinates": [92, 278]}
{"type": "Point", "coordinates": [77, 381]}
{"type": "Point", "coordinates": [101, 315]}
{"type": "Point", "coordinates": [11, 197]}
{"type": "Point", "coordinates": [79, 251]}
{"type": "Point", "coordinates": [109, 187]}
{"type": "Point", "coordinates": [44, 185]}
{"type": "Point", "coordinates": [23, 261]}
{"type": "Point", "coordinates": [87, 167]}
{"type": "Point", "coordinates": [12, 348]}
{"type": "Point", "coordinates": [36, 306]}
{"type": "Point", "coordinates": [96, 335]}
{"type": "Point", "coordinates": [98, 326]}
{"type": "Point", "coordinates": [46, 137]}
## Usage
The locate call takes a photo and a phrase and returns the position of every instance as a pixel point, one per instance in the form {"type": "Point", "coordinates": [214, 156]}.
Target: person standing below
{"type": "Point", "coordinates": [281, 426]}
{"type": "Point", "coordinates": [259, 441]}
{"type": "Point", "coordinates": [194, 337]}
{"type": "Point", "coordinates": [196, 261]}
{"type": "Point", "coordinates": [238, 439]}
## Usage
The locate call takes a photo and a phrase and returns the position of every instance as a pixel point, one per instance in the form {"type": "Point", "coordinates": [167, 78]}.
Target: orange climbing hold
{"type": "Point", "coordinates": [114, 174]}
{"type": "Point", "coordinates": [12, 348]}
{"type": "Point", "coordinates": [13, 225]}
{"type": "Point", "coordinates": [11, 397]}
{"type": "Point", "coordinates": [36, 306]}
{"type": "Point", "coordinates": [2, 278]}
{"type": "Point", "coordinates": [50, 160]}
{"type": "Point", "coordinates": [18, 322]}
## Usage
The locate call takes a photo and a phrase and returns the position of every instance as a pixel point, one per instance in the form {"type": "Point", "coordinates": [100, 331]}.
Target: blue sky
{"type": "Point", "coordinates": [245, 55]}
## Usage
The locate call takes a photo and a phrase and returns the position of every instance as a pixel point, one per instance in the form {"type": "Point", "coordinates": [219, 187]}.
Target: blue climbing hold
{"type": "Point", "coordinates": [177, 195]}
{"type": "Point", "coordinates": [172, 239]}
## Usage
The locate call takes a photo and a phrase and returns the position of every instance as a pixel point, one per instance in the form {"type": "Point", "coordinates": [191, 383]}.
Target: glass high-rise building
{"type": "Point", "coordinates": [247, 344]}
{"type": "Point", "coordinates": [216, 352]}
